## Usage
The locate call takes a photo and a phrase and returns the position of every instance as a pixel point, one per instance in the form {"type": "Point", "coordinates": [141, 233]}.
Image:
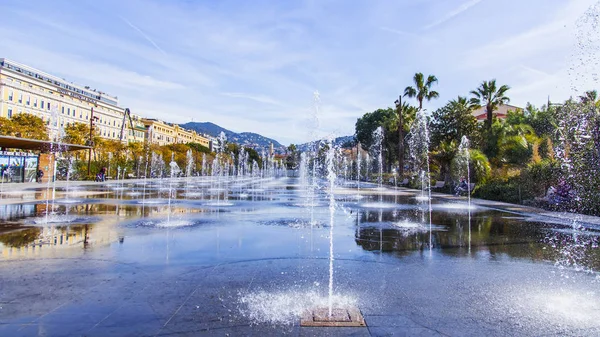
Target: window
{"type": "Point", "coordinates": [10, 96]}
{"type": "Point", "coordinates": [42, 104]}
{"type": "Point", "coordinates": [48, 105]}
{"type": "Point", "coordinates": [80, 115]}
{"type": "Point", "coordinates": [28, 100]}
{"type": "Point", "coordinates": [63, 110]}
{"type": "Point", "coordinates": [20, 98]}
{"type": "Point", "coordinates": [35, 103]}
{"type": "Point", "coordinates": [9, 112]}
{"type": "Point", "coordinates": [68, 111]}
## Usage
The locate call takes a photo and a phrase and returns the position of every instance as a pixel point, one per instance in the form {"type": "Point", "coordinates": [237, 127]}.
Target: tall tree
{"type": "Point", "coordinates": [369, 122]}
{"type": "Point", "coordinates": [406, 114]}
{"type": "Point", "coordinates": [422, 89]}
{"type": "Point", "coordinates": [79, 133]}
{"type": "Point", "coordinates": [452, 121]}
{"type": "Point", "coordinates": [292, 158]}
{"type": "Point", "coordinates": [24, 125]}
{"type": "Point", "coordinates": [490, 96]}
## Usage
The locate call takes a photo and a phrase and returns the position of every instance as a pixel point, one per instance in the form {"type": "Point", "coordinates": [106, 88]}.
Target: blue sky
{"type": "Point", "coordinates": [254, 65]}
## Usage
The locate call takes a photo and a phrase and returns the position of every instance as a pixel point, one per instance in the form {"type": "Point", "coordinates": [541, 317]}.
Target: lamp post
{"type": "Point", "coordinates": [398, 103]}
{"type": "Point", "coordinates": [91, 141]}
{"type": "Point", "coordinates": [109, 158]}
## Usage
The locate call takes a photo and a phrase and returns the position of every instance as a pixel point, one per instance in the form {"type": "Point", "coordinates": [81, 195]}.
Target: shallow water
{"type": "Point", "coordinates": [130, 264]}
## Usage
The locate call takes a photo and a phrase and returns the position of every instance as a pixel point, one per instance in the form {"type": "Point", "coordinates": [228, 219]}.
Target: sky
{"type": "Point", "coordinates": [255, 66]}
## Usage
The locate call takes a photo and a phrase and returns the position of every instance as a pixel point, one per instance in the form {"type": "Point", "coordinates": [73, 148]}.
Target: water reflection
{"type": "Point", "coordinates": [105, 213]}
{"type": "Point", "coordinates": [45, 241]}
{"type": "Point", "coordinates": [491, 232]}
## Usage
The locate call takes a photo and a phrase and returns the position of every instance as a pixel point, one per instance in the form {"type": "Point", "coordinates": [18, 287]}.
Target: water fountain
{"type": "Point", "coordinates": [189, 168]}
{"type": "Point", "coordinates": [334, 314]}
{"type": "Point", "coordinates": [378, 145]}
{"type": "Point", "coordinates": [463, 156]}
{"type": "Point", "coordinates": [247, 270]}
{"type": "Point", "coordinates": [174, 171]}
{"type": "Point", "coordinates": [419, 153]}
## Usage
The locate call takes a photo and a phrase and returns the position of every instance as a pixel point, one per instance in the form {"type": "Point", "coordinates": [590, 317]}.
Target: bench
{"type": "Point", "coordinates": [439, 184]}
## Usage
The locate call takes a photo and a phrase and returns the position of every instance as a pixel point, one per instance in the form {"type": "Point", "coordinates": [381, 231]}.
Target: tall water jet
{"type": "Point", "coordinates": [419, 151]}
{"type": "Point", "coordinates": [54, 135]}
{"type": "Point", "coordinates": [367, 167]}
{"type": "Point", "coordinates": [189, 167]}
{"type": "Point", "coordinates": [331, 178]}
{"type": "Point", "coordinates": [358, 160]}
{"type": "Point", "coordinates": [378, 149]}
{"type": "Point", "coordinates": [174, 172]}
{"type": "Point", "coordinates": [463, 162]}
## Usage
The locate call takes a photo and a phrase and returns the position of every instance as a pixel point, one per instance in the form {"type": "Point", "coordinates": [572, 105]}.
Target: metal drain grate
{"type": "Point", "coordinates": [340, 317]}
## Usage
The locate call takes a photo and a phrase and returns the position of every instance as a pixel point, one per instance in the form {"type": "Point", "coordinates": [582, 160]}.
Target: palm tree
{"type": "Point", "coordinates": [461, 103]}
{"type": "Point", "coordinates": [422, 89]}
{"type": "Point", "coordinates": [487, 94]}
{"type": "Point", "coordinates": [402, 108]}
{"type": "Point", "coordinates": [589, 96]}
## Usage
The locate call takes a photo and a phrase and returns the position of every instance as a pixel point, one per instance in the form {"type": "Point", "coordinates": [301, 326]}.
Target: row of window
{"type": "Point", "coordinates": [61, 84]}
{"type": "Point", "coordinates": [103, 131]}
{"type": "Point", "coordinates": [68, 111]}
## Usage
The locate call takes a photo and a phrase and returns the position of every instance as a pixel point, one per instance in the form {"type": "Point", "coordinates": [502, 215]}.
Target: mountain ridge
{"type": "Point", "coordinates": [242, 138]}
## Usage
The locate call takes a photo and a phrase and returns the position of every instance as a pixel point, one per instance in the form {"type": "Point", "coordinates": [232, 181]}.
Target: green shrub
{"type": "Point", "coordinates": [503, 189]}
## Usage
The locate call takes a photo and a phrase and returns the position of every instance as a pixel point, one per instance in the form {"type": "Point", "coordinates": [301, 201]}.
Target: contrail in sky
{"type": "Point", "coordinates": [143, 34]}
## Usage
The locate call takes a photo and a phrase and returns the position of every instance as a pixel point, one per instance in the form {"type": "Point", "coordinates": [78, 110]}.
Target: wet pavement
{"type": "Point", "coordinates": [246, 257]}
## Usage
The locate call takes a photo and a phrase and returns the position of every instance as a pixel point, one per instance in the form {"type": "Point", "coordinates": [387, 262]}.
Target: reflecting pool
{"type": "Point", "coordinates": [249, 255]}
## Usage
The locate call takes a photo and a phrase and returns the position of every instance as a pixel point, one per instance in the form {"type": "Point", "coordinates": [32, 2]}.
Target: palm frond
{"type": "Point", "coordinates": [410, 92]}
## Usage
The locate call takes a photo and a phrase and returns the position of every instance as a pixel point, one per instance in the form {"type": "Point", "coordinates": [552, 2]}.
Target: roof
{"type": "Point", "coordinates": [35, 144]}
{"type": "Point", "coordinates": [501, 112]}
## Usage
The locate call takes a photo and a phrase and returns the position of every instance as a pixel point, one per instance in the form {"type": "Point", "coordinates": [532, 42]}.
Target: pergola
{"type": "Point", "coordinates": [8, 142]}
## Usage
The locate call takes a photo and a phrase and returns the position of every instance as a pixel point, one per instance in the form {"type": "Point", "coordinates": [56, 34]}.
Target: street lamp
{"type": "Point", "coordinates": [91, 140]}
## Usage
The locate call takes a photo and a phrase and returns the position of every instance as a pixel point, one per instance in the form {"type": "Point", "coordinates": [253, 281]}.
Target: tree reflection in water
{"type": "Point", "coordinates": [491, 233]}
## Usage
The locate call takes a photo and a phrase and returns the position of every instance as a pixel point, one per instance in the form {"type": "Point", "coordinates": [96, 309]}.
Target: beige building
{"type": "Point", "coordinates": [161, 133]}
{"type": "Point", "coordinates": [189, 136]}
{"type": "Point", "coordinates": [58, 102]}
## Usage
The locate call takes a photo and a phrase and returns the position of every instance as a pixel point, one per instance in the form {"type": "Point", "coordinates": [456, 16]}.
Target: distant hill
{"type": "Point", "coordinates": [339, 141]}
{"type": "Point", "coordinates": [244, 138]}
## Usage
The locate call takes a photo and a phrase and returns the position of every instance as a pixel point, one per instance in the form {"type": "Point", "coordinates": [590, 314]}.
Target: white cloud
{"type": "Point", "coordinates": [254, 67]}
{"type": "Point", "coordinates": [256, 98]}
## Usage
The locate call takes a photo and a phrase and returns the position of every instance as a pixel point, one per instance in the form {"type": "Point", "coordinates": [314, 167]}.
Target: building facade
{"type": "Point", "coordinates": [138, 133]}
{"type": "Point", "coordinates": [161, 133]}
{"type": "Point", "coordinates": [501, 112]}
{"type": "Point", "coordinates": [58, 102]}
{"type": "Point", "coordinates": [184, 136]}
